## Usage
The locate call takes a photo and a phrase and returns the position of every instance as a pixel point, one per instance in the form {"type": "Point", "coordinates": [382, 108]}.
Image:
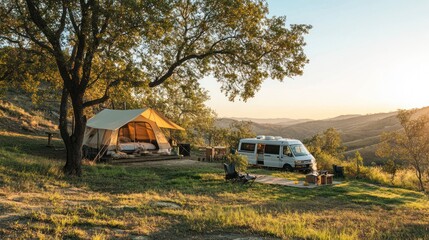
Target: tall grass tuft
{"type": "Point", "coordinates": [405, 178]}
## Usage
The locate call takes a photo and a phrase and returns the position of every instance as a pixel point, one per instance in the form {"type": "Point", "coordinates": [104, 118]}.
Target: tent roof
{"type": "Point", "coordinates": [114, 119]}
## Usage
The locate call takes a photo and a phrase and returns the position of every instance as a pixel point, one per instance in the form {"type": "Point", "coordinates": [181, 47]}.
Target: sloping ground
{"type": "Point", "coordinates": [156, 201]}
{"type": "Point", "coordinates": [18, 114]}
{"type": "Point", "coordinates": [358, 132]}
{"type": "Point", "coordinates": [351, 128]}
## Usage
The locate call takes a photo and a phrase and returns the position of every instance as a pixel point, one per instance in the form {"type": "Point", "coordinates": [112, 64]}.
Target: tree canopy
{"type": "Point", "coordinates": [411, 145]}
{"type": "Point", "coordinates": [98, 46]}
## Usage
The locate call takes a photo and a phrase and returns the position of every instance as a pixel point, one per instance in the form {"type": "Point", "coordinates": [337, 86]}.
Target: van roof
{"type": "Point", "coordinates": [274, 140]}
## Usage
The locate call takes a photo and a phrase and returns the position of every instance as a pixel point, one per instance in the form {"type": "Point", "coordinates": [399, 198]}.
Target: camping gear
{"type": "Point", "coordinates": [232, 175]}
{"type": "Point", "coordinates": [128, 131]}
{"type": "Point", "coordinates": [319, 178]}
{"type": "Point", "coordinates": [338, 170]}
{"type": "Point", "coordinates": [185, 149]}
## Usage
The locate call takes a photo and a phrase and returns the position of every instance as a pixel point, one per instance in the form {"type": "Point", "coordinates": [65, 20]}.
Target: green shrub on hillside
{"type": "Point", "coordinates": [240, 161]}
{"type": "Point", "coordinates": [325, 161]}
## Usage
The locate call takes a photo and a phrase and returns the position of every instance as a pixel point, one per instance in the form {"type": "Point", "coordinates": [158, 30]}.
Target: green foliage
{"type": "Point", "coordinates": [218, 136]}
{"type": "Point", "coordinates": [359, 163]}
{"type": "Point", "coordinates": [24, 69]}
{"type": "Point", "coordinates": [410, 145]}
{"type": "Point", "coordinates": [391, 167]}
{"type": "Point", "coordinates": [327, 148]}
{"type": "Point", "coordinates": [98, 46]}
{"type": "Point", "coordinates": [239, 130]}
{"type": "Point", "coordinates": [239, 161]}
{"type": "Point", "coordinates": [231, 136]}
{"type": "Point", "coordinates": [155, 41]}
{"type": "Point", "coordinates": [325, 161]}
{"type": "Point", "coordinates": [328, 142]}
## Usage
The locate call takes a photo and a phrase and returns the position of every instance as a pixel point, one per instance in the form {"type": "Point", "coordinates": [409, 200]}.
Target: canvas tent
{"type": "Point", "coordinates": [128, 130]}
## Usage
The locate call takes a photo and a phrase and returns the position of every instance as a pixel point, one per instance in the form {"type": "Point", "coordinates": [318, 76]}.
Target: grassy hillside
{"type": "Point", "coordinates": [189, 201]}
{"type": "Point", "coordinates": [358, 132]}
{"type": "Point", "coordinates": [19, 114]}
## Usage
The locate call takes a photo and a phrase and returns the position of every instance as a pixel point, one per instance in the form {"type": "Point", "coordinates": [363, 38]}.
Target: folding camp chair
{"type": "Point", "coordinates": [232, 175]}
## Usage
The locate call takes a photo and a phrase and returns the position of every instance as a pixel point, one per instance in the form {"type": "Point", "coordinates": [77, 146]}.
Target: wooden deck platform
{"type": "Point", "coordinates": [142, 159]}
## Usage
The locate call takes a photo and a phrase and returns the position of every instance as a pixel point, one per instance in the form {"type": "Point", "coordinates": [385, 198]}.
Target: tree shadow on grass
{"type": "Point", "coordinates": [32, 146]}
{"type": "Point", "coordinates": [190, 180]}
{"type": "Point", "coordinates": [120, 180]}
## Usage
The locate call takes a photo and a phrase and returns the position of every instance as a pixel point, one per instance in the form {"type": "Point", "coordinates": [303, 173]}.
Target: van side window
{"type": "Point", "coordinates": [272, 149]}
{"type": "Point", "coordinates": [287, 151]}
{"type": "Point", "coordinates": [247, 147]}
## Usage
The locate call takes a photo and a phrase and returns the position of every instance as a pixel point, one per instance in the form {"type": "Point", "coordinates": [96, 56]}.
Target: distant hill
{"type": "Point", "coordinates": [276, 121]}
{"type": "Point", "coordinates": [358, 132]}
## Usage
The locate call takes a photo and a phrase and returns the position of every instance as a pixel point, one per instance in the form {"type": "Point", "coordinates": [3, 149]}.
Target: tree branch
{"type": "Point", "coordinates": [41, 23]}
{"type": "Point", "coordinates": [104, 97]}
{"type": "Point", "coordinates": [176, 64]}
{"type": "Point", "coordinates": [97, 77]}
{"type": "Point", "coordinates": [62, 20]}
{"type": "Point", "coordinates": [73, 21]}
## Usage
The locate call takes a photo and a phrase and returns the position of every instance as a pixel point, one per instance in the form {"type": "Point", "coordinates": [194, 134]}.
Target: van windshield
{"type": "Point", "coordinates": [299, 150]}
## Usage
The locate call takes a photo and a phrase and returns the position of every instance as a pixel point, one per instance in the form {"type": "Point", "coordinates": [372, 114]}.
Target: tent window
{"type": "Point", "coordinates": [136, 132]}
{"type": "Point", "coordinates": [124, 135]}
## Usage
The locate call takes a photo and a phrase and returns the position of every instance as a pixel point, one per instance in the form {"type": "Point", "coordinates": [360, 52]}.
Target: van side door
{"type": "Point", "coordinates": [272, 155]}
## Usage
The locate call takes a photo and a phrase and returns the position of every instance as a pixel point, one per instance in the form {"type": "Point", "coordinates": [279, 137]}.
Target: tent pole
{"type": "Point", "coordinates": [135, 132]}
{"type": "Point", "coordinates": [98, 143]}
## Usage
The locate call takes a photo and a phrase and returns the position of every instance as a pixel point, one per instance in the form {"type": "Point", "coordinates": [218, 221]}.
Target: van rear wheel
{"type": "Point", "coordinates": [288, 168]}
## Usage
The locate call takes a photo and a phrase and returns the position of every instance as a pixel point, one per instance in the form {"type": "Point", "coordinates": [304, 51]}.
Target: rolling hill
{"type": "Point", "coordinates": [358, 132]}
{"type": "Point", "coordinates": [276, 121]}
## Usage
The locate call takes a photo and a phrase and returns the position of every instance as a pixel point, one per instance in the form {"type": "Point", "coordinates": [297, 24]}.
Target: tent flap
{"type": "Point", "coordinates": [160, 119]}
{"type": "Point", "coordinates": [114, 119]}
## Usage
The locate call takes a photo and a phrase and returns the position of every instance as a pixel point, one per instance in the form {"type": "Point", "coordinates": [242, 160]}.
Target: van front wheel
{"type": "Point", "coordinates": [288, 168]}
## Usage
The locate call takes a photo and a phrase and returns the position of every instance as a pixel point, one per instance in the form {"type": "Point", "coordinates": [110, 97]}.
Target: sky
{"type": "Point", "coordinates": [366, 56]}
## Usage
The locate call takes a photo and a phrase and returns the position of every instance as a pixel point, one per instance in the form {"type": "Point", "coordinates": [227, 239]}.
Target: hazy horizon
{"type": "Point", "coordinates": [274, 118]}
{"type": "Point", "coordinates": [365, 57]}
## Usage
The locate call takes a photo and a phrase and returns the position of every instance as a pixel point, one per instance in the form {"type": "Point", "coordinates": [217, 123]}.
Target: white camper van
{"type": "Point", "coordinates": [278, 152]}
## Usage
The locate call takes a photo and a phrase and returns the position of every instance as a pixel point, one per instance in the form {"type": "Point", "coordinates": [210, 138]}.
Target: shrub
{"type": "Point", "coordinates": [359, 163]}
{"type": "Point", "coordinates": [325, 161]}
{"type": "Point", "coordinates": [240, 161]}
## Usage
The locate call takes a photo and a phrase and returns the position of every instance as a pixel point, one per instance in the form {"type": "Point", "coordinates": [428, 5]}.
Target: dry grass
{"type": "Point", "coordinates": [114, 202]}
{"type": "Point", "coordinates": [18, 119]}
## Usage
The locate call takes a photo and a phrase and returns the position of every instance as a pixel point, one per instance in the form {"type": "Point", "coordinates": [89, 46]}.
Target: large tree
{"type": "Point", "coordinates": [410, 145]}
{"type": "Point", "coordinates": [147, 42]}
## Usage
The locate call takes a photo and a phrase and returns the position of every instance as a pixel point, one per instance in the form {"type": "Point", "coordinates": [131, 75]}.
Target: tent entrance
{"type": "Point", "coordinates": [137, 131]}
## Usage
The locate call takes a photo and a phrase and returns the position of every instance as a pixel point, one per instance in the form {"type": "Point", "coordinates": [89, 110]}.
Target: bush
{"type": "Point", "coordinates": [325, 161]}
{"type": "Point", "coordinates": [405, 178]}
{"type": "Point", "coordinates": [240, 161]}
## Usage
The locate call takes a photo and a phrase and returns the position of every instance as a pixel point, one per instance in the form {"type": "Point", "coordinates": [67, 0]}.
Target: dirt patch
{"type": "Point", "coordinates": [265, 179]}
{"type": "Point", "coordinates": [163, 204]}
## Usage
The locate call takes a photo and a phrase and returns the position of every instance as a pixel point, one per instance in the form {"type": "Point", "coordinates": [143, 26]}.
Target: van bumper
{"type": "Point", "coordinates": [303, 166]}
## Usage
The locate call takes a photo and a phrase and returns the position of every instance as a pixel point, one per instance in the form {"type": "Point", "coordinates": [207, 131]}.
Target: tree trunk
{"type": "Point", "coordinates": [420, 176]}
{"type": "Point", "coordinates": [73, 142]}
